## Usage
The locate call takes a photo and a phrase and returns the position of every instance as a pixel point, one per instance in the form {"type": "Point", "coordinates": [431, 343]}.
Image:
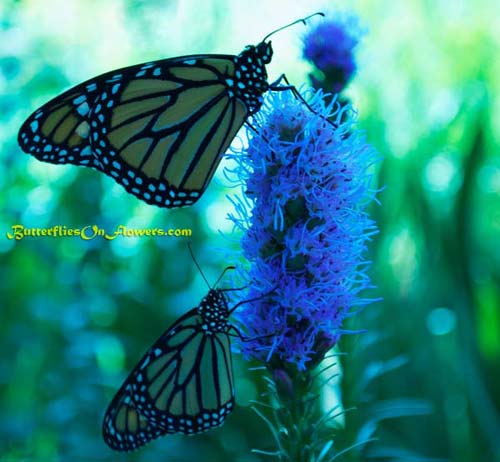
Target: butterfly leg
{"type": "Point", "coordinates": [237, 333]}
{"type": "Point", "coordinates": [277, 86]}
{"type": "Point", "coordinates": [234, 289]}
{"type": "Point", "coordinates": [254, 299]}
{"type": "Point", "coordinates": [244, 338]}
{"type": "Point", "coordinates": [249, 125]}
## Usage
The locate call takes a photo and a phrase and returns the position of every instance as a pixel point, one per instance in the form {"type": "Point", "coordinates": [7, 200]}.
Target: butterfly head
{"type": "Point", "coordinates": [264, 51]}
{"type": "Point", "coordinates": [256, 55]}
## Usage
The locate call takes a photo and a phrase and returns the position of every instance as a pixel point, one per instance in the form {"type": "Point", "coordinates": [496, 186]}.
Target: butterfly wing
{"type": "Point", "coordinates": [185, 381]}
{"type": "Point", "coordinates": [159, 129]}
{"type": "Point", "coordinates": [124, 429]}
{"type": "Point", "coordinates": [59, 131]}
{"type": "Point", "coordinates": [183, 384]}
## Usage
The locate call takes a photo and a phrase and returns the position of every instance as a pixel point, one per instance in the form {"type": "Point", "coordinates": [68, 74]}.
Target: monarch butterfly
{"type": "Point", "coordinates": [184, 382]}
{"type": "Point", "coordinates": [158, 129]}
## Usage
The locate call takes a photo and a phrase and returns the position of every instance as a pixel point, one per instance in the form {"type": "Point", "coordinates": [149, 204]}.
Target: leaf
{"type": "Point", "coordinates": [390, 409]}
{"type": "Point", "coordinates": [376, 369]}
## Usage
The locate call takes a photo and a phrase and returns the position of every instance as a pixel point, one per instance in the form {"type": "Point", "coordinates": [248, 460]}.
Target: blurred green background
{"type": "Point", "coordinates": [76, 315]}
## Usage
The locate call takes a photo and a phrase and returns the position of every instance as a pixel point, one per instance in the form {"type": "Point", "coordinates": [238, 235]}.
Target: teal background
{"type": "Point", "coordinates": [76, 315]}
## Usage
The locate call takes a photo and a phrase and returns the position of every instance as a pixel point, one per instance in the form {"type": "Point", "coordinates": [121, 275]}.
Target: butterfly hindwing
{"type": "Point", "coordinates": [125, 429]}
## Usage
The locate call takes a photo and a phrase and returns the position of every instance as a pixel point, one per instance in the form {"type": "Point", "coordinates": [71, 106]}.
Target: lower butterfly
{"type": "Point", "coordinates": [159, 129]}
{"type": "Point", "coordinates": [183, 384]}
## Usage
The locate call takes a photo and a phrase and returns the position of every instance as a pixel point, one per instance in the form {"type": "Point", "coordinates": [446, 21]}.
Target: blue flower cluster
{"type": "Point", "coordinates": [306, 184]}
{"type": "Point", "coordinates": [330, 48]}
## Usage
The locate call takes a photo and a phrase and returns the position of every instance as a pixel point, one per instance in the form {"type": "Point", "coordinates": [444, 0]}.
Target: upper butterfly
{"type": "Point", "coordinates": [159, 129]}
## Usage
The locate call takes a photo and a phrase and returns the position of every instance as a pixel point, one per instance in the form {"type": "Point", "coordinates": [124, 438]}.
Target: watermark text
{"type": "Point", "coordinates": [90, 232]}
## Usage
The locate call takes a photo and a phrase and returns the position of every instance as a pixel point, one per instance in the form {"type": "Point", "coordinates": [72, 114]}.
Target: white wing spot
{"type": "Point", "coordinates": [79, 100]}
{"type": "Point", "coordinates": [83, 109]}
{"type": "Point", "coordinates": [86, 151]}
{"type": "Point", "coordinates": [83, 130]}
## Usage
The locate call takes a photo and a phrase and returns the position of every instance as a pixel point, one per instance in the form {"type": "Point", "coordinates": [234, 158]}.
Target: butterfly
{"type": "Point", "coordinates": [183, 384]}
{"type": "Point", "coordinates": [160, 128]}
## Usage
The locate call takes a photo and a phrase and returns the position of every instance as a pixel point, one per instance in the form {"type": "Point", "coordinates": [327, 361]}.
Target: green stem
{"type": "Point", "coordinates": [297, 417]}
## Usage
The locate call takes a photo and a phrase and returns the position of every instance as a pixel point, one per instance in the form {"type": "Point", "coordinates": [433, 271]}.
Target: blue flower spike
{"type": "Point", "coordinates": [306, 179]}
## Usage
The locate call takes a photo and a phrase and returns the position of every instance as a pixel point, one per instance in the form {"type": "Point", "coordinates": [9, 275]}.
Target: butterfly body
{"type": "Point", "coordinates": [183, 384]}
{"type": "Point", "coordinates": [159, 129]}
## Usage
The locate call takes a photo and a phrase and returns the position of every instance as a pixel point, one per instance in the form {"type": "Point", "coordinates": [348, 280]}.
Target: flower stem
{"type": "Point", "coordinates": [296, 417]}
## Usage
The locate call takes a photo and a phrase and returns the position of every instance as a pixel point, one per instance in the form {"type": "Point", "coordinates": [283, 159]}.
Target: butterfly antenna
{"type": "Point", "coordinates": [302, 20]}
{"type": "Point", "coordinates": [224, 272]}
{"type": "Point", "coordinates": [198, 266]}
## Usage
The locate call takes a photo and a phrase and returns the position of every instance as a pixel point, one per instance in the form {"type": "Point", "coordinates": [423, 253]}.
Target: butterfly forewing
{"type": "Point", "coordinates": [159, 129]}
{"type": "Point", "coordinates": [59, 131]}
{"type": "Point", "coordinates": [183, 384]}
